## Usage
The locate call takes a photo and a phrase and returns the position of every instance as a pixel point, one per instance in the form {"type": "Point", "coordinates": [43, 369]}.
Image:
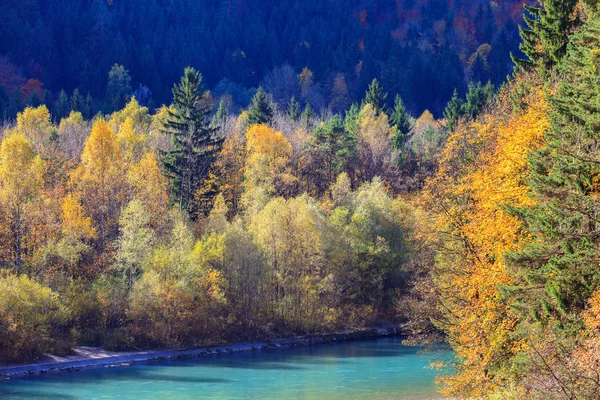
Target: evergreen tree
{"type": "Point", "coordinates": [118, 88]}
{"type": "Point", "coordinates": [453, 111]}
{"type": "Point", "coordinates": [62, 108]}
{"type": "Point", "coordinates": [376, 97]}
{"type": "Point", "coordinates": [477, 97]}
{"type": "Point", "coordinates": [261, 110]}
{"type": "Point", "coordinates": [561, 266]}
{"type": "Point", "coordinates": [333, 149]}
{"type": "Point", "coordinates": [307, 116]}
{"type": "Point", "coordinates": [401, 120]}
{"type": "Point", "coordinates": [293, 110]}
{"type": "Point", "coordinates": [221, 114]}
{"type": "Point", "coordinates": [351, 119]}
{"type": "Point", "coordinates": [195, 144]}
{"type": "Point", "coordinates": [544, 40]}
{"type": "Point", "coordinates": [77, 101]}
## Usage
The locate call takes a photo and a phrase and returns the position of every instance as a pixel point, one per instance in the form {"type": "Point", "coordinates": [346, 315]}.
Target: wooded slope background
{"type": "Point", "coordinates": [421, 50]}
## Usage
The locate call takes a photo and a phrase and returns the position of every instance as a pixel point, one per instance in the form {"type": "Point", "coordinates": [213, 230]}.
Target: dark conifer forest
{"type": "Point", "coordinates": [421, 50]}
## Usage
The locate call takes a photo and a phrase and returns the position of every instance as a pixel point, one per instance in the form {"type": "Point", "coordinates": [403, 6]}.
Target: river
{"type": "Point", "coordinates": [373, 369]}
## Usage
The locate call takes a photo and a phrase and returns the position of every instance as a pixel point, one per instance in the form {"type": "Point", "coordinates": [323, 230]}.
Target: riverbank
{"type": "Point", "coordinates": [89, 357]}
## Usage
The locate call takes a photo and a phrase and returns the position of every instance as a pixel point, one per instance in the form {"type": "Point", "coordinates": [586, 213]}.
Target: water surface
{"type": "Point", "coordinates": [374, 370]}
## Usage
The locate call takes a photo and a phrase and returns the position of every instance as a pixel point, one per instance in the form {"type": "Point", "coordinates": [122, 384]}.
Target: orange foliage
{"type": "Point", "coordinates": [482, 169]}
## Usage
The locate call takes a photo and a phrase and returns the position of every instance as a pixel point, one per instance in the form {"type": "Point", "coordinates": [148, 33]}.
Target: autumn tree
{"type": "Point", "coordinates": [194, 142]}
{"type": "Point", "coordinates": [374, 142]}
{"type": "Point", "coordinates": [36, 125]}
{"type": "Point", "coordinates": [176, 300]}
{"type": "Point", "coordinates": [482, 170]}
{"type": "Point", "coordinates": [98, 179]}
{"type": "Point", "coordinates": [289, 235]}
{"type": "Point", "coordinates": [21, 180]}
{"type": "Point", "coordinates": [559, 267]}
{"type": "Point", "coordinates": [134, 244]}
{"type": "Point", "coordinates": [267, 171]}
{"type": "Point", "coordinates": [33, 321]}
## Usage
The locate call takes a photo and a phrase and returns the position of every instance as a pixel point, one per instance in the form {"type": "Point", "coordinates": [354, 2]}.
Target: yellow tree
{"type": "Point", "coordinates": [149, 186]}
{"type": "Point", "coordinates": [374, 142]}
{"type": "Point", "coordinates": [36, 125]}
{"type": "Point", "coordinates": [267, 171]}
{"type": "Point", "coordinates": [21, 172]}
{"type": "Point", "coordinates": [289, 234]}
{"type": "Point", "coordinates": [131, 143]}
{"type": "Point", "coordinates": [482, 169]}
{"type": "Point", "coordinates": [98, 180]}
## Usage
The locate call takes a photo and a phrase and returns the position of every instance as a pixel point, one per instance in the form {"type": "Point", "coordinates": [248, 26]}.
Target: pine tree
{"type": "Point", "coordinates": [561, 266]}
{"type": "Point", "coordinates": [221, 114]}
{"type": "Point", "coordinates": [544, 40]}
{"type": "Point", "coordinates": [453, 111]}
{"type": "Point", "coordinates": [195, 144]}
{"type": "Point", "coordinates": [261, 110]}
{"type": "Point", "coordinates": [62, 108]}
{"type": "Point", "coordinates": [77, 101]}
{"type": "Point", "coordinates": [293, 110]}
{"type": "Point", "coordinates": [118, 88]}
{"type": "Point", "coordinates": [376, 97]}
{"type": "Point", "coordinates": [307, 116]}
{"type": "Point", "coordinates": [401, 120]}
{"type": "Point", "coordinates": [477, 97]}
{"type": "Point", "coordinates": [333, 149]}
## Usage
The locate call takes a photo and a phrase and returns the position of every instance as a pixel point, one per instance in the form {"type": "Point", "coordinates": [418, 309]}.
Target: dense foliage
{"type": "Point", "coordinates": [512, 215]}
{"type": "Point", "coordinates": [179, 227]}
{"type": "Point", "coordinates": [321, 203]}
{"type": "Point", "coordinates": [421, 50]}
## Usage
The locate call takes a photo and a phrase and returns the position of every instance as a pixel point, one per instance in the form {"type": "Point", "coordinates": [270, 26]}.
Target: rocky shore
{"type": "Point", "coordinates": [98, 358]}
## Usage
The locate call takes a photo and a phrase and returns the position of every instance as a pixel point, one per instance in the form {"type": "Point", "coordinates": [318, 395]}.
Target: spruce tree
{"type": "Point", "coordinates": [333, 149]}
{"type": "Point", "coordinates": [307, 116]}
{"type": "Point", "coordinates": [453, 111]}
{"type": "Point", "coordinates": [194, 141]}
{"type": "Point", "coordinates": [560, 266]}
{"type": "Point", "coordinates": [376, 97]}
{"type": "Point", "coordinates": [62, 108]}
{"type": "Point", "coordinates": [477, 97]}
{"type": "Point", "coordinates": [261, 110]}
{"type": "Point", "coordinates": [401, 120]}
{"type": "Point", "coordinates": [293, 110]}
{"type": "Point", "coordinates": [221, 114]}
{"type": "Point", "coordinates": [545, 37]}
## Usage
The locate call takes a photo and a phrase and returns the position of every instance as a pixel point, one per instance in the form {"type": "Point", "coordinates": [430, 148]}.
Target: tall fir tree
{"type": "Point", "coordinates": [293, 110]}
{"type": "Point", "coordinates": [62, 108]}
{"type": "Point", "coordinates": [194, 142]}
{"type": "Point", "coordinates": [478, 96]}
{"type": "Point", "coordinates": [333, 149]}
{"type": "Point", "coordinates": [221, 114]}
{"type": "Point", "coordinates": [307, 116]}
{"type": "Point", "coordinates": [545, 37]}
{"type": "Point", "coordinates": [261, 110]}
{"type": "Point", "coordinates": [376, 97]}
{"type": "Point", "coordinates": [401, 121]}
{"type": "Point", "coordinates": [560, 266]}
{"type": "Point", "coordinates": [453, 111]}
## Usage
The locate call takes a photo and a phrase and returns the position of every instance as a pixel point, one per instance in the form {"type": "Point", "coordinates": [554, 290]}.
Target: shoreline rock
{"type": "Point", "coordinates": [55, 367]}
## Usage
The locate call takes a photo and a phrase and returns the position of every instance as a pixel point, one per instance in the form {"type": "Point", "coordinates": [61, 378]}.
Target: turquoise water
{"type": "Point", "coordinates": [374, 370]}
